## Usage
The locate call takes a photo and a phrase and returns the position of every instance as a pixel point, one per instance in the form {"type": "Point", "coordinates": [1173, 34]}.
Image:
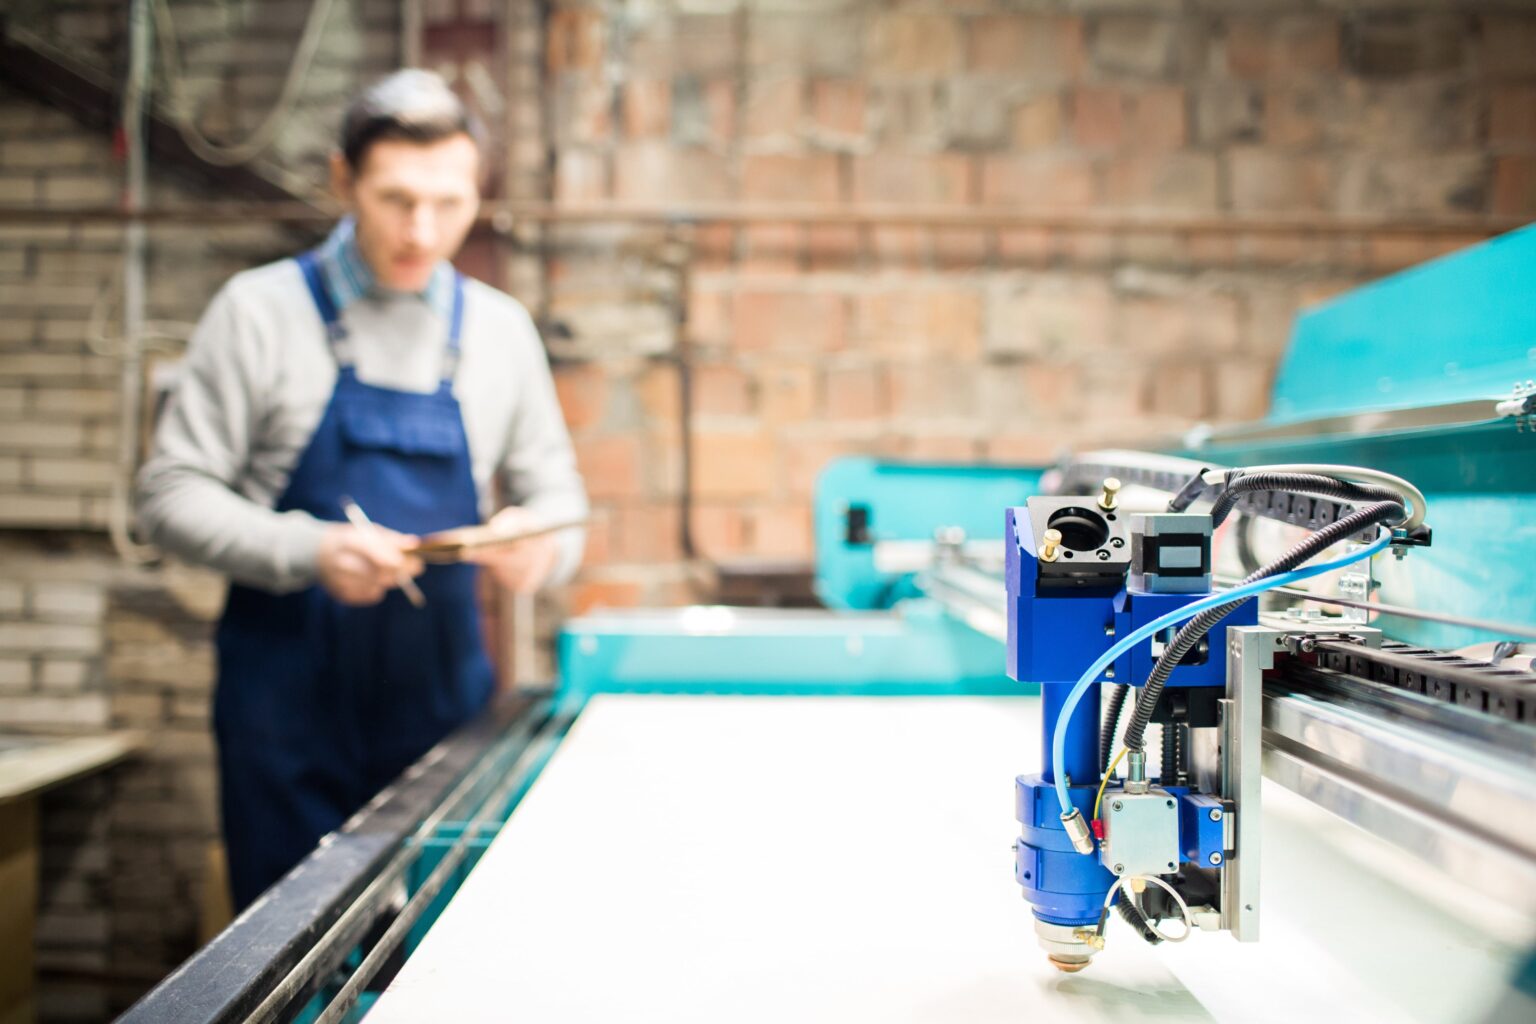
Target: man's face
{"type": "Point", "coordinates": [414, 203]}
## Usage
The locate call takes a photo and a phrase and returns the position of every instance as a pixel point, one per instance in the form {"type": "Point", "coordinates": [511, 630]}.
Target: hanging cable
{"type": "Point", "coordinates": [229, 155]}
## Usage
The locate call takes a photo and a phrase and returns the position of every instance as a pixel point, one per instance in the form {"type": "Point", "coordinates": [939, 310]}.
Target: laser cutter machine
{"type": "Point", "coordinates": [1228, 678]}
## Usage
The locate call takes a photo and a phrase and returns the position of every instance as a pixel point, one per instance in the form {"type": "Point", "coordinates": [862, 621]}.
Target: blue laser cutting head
{"type": "Point", "coordinates": [1080, 573]}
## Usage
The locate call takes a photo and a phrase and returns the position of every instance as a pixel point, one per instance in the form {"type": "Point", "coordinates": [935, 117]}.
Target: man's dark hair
{"type": "Point", "coordinates": [412, 104]}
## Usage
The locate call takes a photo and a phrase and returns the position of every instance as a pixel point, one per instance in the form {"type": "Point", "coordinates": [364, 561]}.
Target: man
{"type": "Point", "coordinates": [366, 371]}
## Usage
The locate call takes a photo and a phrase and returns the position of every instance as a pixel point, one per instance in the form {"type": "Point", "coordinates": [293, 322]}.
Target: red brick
{"type": "Point", "coordinates": [1037, 122]}
{"type": "Point", "coordinates": [1053, 316]}
{"type": "Point", "coordinates": [583, 392]}
{"type": "Point", "coordinates": [1172, 181]}
{"type": "Point", "coordinates": [942, 448]}
{"type": "Point", "coordinates": [1269, 181]}
{"type": "Point", "coordinates": [1026, 246]}
{"type": "Point", "coordinates": [714, 246]}
{"type": "Point", "coordinates": [1242, 389]}
{"type": "Point", "coordinates": [912, 44]}
{"type": "Point", "coordinates": [1179, 389]}
{"type": "Point", "coordinates": [647, 533]}
{"type": "Point", "coordinates": [1512, 115]}
{"type": "Point", "coordinates": [838, 107]}
{"type": "Point", "coordinates": [719, 530]}
{"type": "Point", "coordinates": [1514, 185]}
{"type": "Point", "coordinates": [805, 459]}
{"type": "Point", "coordinates": [772, 248]}
{"type": "Point", "coordinates": [781, 531]}
{"type": "Point", "coordinates": [912, 178]}
{"type": "Point", "coordinates": [657, 386]}
{"type": "Point", "coordinates": [832, 245]}
{"type": "Point", "coordinates": [655, 171]}
{"type": "Point", "coordinates": [590, 595]}
{"type": "Point", "coordinates": [811, 178]}
{"type": "Point", "coordinates": [610, 466]}
{"type": "Point", "coordinates": [709, 317]}
{"type": "Point", "coordinates": [1040, 46]}
{"type": "Point", "coordinates": [961, 248]}
{"type": "Point", "coordinates": [1038, 391]}
{"type": "Point", "coordinates": [732, 465]}
{"type": "Point", "coordinates": [721, 389]}
{"type": "Point", "coordinates": [720, 101]}
{"type": "Point", "coordinates": [855, 393]}
{"type": "Point", "coordinates": [919, 320]}
{"type": "Point", "coordinates": [933, 390]}
{"type": "Point", "coordinates": [775, 108]}
{"type": "Point", "coordinates": [647, 108]}
{"type": "Point", "coordinates": [789, 321]}
{"type": "Point", "coordinates": [580, 177]}
{"type": "Point", "coordinates": [1294, 117]}
{"type": "Point", "coordinates": [600, 538]}
{"type": "Point", "coordinates": [786, 393]}
{"type": "Point", "coordinates": [1038, 181]}
{"type": "Point", "coordinates": [1158, 119]}
{"type": "Point", "coordinates": [899, 245]}
{"type": "Point", "coordinates": [1098, 117]}
{"type": "Point", "coordinates": [1281, 47]}
{"type": "Point", "coordinates": [1395, 251]}
{"type": "Point", "coordinates": [575, 40]}
{"type": "Point", "coordinates": [1171, 325]}
{"type": "Point", "coordinates": [1033, 449]}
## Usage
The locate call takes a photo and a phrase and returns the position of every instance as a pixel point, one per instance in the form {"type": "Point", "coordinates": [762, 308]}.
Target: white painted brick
{"type": "Point", "coordinates": [18, 332]}
{"type": "Point", "coordinates": [65, 674]}
{"type": "Point", "coordinates": [78, 602]}
{"type": "Point", "coordinates": [50, 154]}
{"type": "Point", "coordinates": [80, 190]}
{"type": "Point", "coordinates": [16, 366]}
{"type": "Point", "coordinates": [138, 709]}
{"type": "Point", "coordinates": [79, 711]}
{"type": "Point", "coordinates": [73, 401]}
{"type": "Point", "coordinates": [18, 189]}
{"type": "Point", "coordinates": [82, 474]}
{"type": "Point", "coordinates": [10, 472]}
{"type": "Point", "coordinates": [49, 637]}
{"type": "Point", "coordinates": [73, 928]}
{"type": "Point", "coordinates": [33, 436]}
{"type": "Point", "coordinates": [39, 510]}
{"type": "Point", "coordinates": [64, 294]}
{"type": "Point", "coordinates": [15, 674]}
{"type": "Point", "coordinates": [13, 400]}
{"type": "Point", "coordinates": [13, 597]}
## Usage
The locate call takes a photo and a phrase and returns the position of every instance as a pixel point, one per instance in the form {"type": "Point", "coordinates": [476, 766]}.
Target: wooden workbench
{"type": "Point", "coordinates": [823, 859]}
{"type": "Point", "coordinates": [29, 767]}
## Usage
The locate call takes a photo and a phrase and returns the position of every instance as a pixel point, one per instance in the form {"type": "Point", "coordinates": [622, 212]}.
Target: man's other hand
{"type": "Point", "coordinates": [359, 566]}
{"type": "Point", "coordinates": [522, 567]}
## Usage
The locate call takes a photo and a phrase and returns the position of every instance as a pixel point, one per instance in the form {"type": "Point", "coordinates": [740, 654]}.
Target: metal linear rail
{"type": "Point", "coordinates": [1450, 783]}
{"type": "Point", "coordinates": [288, 945]}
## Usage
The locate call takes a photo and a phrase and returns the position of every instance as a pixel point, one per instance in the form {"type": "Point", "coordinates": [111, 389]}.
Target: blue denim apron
{"type": "Point", "coordinates": [320, 705]}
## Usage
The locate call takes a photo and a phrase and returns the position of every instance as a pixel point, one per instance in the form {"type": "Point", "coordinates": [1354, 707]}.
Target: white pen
{"type": "Point", "coordinates": [358, 518]}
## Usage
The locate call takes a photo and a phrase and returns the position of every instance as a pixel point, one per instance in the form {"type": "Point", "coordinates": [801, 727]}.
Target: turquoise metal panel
{"type": "Point", "coordinates": [914, 650]}
{"type": "Point", "coordinates": [1454, 329]}
{"type": "Point", "coordinates": [907, 501]}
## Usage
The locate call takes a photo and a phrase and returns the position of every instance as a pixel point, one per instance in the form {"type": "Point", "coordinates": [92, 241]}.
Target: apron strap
{"type": "Point", "coordinates": [455, 330]}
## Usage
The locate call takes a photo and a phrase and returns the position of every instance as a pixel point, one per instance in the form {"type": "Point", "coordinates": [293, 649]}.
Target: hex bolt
{"type": "Point", "coordinates": [1111, 488]}
{"type": "Point", "coordinates": [1215, 813]}
{"type": "Point", "coordinates": [1215, 859]}
{"type": "Point", "coordinates": [1051, 549]}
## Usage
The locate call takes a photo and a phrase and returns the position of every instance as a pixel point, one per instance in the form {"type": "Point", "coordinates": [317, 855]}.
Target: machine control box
{"type": "Point", "coordinates": [1141, 832]}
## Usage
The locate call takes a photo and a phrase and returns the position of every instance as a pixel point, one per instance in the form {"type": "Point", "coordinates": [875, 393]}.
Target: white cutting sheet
{"type": "Point", "coordinates": [715, 859]}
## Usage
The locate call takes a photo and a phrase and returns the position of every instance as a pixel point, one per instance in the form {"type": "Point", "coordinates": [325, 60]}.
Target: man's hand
{"type": "Point", "coordinates": [522, 567]}
{"type": "Point", "coordinates": [358, 567]}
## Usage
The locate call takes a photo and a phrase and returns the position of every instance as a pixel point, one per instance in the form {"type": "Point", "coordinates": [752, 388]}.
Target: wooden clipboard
{"type": "Point", "coordinates": [449, 546]}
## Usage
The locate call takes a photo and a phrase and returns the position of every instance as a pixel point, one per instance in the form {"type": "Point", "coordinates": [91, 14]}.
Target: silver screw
{"type": "Point", "coordinates": [1215, 859]}
{"type": "Point", "coordinates": [1215, 814]}
{"type": "Point", "coordinates": [1117, 805]}
{"type": "Point", "coordinates": [1119, 869]}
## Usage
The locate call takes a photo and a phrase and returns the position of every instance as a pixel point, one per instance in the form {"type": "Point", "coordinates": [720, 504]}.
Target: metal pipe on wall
{"type": "Point", "coordinates": [131, 370]}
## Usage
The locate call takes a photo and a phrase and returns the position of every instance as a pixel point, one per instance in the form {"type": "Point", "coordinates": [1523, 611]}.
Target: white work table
{"type": "Point", "coordinates": [712, 859]}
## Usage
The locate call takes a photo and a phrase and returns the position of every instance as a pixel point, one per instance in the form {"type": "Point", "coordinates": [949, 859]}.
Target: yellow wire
{"type": "Point", "coordinates": [1105, 781]}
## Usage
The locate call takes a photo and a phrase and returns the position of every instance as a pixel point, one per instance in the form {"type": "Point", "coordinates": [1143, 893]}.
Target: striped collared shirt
{"type": "Point", "coordinates": [349, 278]}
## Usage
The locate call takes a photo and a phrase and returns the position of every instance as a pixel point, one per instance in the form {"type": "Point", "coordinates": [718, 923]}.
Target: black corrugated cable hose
{"type": "Point", "coordinates": [1111, 723]}
{"type": "Point", "coordinates": [1191, 632]}
{"type": "Point", "coordinates": [1304, 483]}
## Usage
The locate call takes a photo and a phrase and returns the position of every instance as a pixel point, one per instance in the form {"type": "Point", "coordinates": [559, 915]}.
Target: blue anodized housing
{"type": "Point", "coordinates": [1063, 612]}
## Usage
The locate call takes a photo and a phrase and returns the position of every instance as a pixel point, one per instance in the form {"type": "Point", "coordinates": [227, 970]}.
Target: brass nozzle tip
{"type": "Point", "coordinates": [1111, 490]}
{"type": "Point", "coordinates": [1051, 549]}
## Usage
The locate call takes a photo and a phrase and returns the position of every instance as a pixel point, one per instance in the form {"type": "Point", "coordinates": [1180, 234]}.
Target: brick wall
{"type": "Point", "coordinates": [813, 341]}
{"type": "Point", "coordinates": [804, 342]}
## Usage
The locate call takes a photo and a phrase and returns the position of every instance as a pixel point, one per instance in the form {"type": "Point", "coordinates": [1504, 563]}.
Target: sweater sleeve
{"type": "Point", "coordinates": [188, 502]}
{"type": "Point", "coordinates": [539, 466]}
